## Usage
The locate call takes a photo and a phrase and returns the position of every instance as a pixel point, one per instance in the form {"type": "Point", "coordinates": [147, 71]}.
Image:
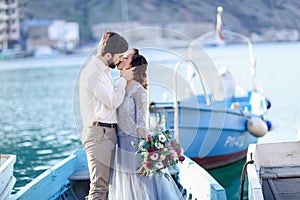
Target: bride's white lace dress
{"type": "Point", "coordinates": [125, 182]}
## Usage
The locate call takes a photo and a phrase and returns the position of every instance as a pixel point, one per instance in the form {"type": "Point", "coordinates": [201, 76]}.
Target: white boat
{"type": "Point", "coordinates": [69, 179]}
{"type": "Point", "coordinates": [7, 180]}
{"type": "Point", "coordinates": [275, 173]}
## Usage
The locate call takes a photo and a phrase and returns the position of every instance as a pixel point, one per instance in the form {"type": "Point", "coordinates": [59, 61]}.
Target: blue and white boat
{"type": "Point", "coordinates": [69, 179]}
{"type": "Point", "coordinates": [213, 117]}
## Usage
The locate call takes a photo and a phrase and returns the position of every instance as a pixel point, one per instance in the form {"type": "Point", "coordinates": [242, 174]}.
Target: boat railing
{"type": "Point", "coordinates": [176, 100]}
{"type": "Point", "coordinates": [159, 110]}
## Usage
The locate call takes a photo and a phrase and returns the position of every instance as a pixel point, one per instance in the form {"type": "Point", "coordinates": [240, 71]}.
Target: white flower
{"type": "Point", "coordinates": [142, 144]}
{"type": "Point", "coordinates": [162, 138]}
{"type": "Point", "coordinates": [159, 165]}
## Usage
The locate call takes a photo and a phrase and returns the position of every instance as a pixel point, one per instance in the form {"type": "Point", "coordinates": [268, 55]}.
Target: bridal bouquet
{"type": "Point", "coordinates": [157, 152]}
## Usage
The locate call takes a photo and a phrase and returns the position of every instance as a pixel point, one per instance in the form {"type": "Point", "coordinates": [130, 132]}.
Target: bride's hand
{"type": "Point", "coordinates": [127, 73]}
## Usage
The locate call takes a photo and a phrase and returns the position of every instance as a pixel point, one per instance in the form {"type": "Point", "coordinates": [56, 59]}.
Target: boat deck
{"type": "Point", "coordinates": [281, 182]}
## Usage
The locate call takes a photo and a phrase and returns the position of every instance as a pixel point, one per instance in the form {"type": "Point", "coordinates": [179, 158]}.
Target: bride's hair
{"type": "Point", "coordinates": [140, 72]}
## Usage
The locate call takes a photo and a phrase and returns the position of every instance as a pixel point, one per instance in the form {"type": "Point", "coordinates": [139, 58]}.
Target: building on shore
{"type": "Point", "coordinates": [9, 23]}
{"type": "Point", "coordinates": [57, 34]}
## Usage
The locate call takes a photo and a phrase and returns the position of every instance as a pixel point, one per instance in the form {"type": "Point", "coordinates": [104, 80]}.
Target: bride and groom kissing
{"type": "Point", "coordinates": [114, 115]}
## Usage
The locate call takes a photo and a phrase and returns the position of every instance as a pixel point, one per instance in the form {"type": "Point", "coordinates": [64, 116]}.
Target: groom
{"type": "Point", "coordinates": [99, 99]}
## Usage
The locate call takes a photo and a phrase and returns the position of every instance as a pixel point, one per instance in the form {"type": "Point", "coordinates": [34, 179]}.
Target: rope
{"type": "Point", "coordinates": [243, 176]}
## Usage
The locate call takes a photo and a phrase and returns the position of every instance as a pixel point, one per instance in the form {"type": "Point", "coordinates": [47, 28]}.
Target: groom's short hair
{"type": "Point", "coordinates": [113, 43]}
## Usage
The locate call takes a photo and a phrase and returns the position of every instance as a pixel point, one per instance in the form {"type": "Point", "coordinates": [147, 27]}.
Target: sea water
{"type": "Point", "coordinates": [36, 107]}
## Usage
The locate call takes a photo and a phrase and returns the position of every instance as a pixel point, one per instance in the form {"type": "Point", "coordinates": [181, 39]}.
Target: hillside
{"type": "Point", "coordinates": [246, 16]}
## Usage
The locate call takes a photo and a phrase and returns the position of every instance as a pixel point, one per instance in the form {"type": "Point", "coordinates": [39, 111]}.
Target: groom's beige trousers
{"type": "Point", "coordinates": [99, 143]}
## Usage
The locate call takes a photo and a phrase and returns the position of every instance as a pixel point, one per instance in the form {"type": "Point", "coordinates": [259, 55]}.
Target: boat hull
{"type": "Point", "coordinates": [212, 162]}
{"type": "Point", "coordinates": [211, 136]}
{"type": "Point", "coordinates": [219, 138]}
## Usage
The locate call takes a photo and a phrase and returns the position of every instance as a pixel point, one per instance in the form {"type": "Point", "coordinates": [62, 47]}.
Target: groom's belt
{"type": "Point", "coordinates": [104, 124]}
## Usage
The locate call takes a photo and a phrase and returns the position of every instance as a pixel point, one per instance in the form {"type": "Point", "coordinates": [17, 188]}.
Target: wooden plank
{"type": "Point", "coordinates": [287, 188]}
{"type": "Point", "coordinates": [279, 154]}
{"type": "Point", "coordinates": [287, 185]}
{"type": "Point", "coordinates": [280, 172]}
{"type": "Point", "coordinates": [269, 190]}
{"type": "Point", "coordinates": [290, 196]}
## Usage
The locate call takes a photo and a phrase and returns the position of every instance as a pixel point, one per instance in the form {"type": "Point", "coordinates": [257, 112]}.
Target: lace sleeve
{"type": "Point", "coordinates": [140, 99]}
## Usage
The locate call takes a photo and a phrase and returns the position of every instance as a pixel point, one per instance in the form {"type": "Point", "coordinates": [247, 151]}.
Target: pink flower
{"type": "Point", "coordinates": [179, 151]}
{"type": "Point", "coordinates": [172, 151]}
{"type": "Point", "coordinates": [148, 164]}
{"type": "Point", "coordinates": [154, 156]}
{"type": "Point", "coordinates": [162, 156]}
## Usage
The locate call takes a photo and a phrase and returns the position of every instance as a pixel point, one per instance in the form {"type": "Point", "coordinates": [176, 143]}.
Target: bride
{"type": "Point", "coordinates": [126, 182]}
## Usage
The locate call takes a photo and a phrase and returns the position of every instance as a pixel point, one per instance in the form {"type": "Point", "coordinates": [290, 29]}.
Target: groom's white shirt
{"type": "Point", "coordinates": [99, 98]}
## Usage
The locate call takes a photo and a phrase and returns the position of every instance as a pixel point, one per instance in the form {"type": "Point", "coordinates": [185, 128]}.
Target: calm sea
{"type": "Point", "coordinates": [37, 122]}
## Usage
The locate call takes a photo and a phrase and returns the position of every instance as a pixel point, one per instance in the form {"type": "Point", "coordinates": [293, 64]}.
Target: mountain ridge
{"type": "Point", "coordinates": [245, 16]}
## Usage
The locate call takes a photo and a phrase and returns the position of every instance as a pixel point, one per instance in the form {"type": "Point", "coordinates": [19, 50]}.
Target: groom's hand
{"type": "Point", "coordinates": [127, 73]}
